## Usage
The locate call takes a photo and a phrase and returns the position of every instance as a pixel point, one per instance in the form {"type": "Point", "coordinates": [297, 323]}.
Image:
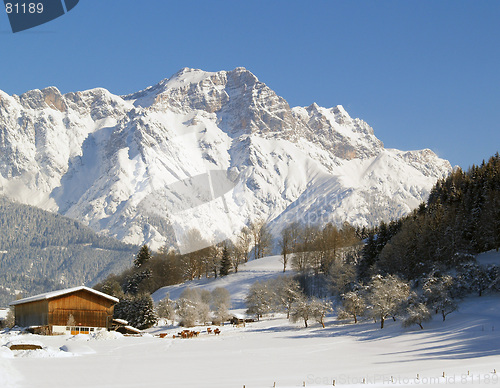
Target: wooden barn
{"type": "Point", "coordinates": [78, 310]}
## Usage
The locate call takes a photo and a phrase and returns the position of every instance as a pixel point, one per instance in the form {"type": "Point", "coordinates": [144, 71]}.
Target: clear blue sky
{"type": "Point", "coordinates": [423, 74]}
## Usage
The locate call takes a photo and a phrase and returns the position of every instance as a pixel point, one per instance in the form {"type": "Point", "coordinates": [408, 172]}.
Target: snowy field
{"type": "Point", "coordinates": [466, 348]}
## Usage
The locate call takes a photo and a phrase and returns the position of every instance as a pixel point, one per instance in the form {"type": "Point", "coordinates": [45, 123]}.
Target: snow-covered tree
{"type": "Point", "coordinates": [494, 276]}
{"type": "Point", "coordinates": [301, 310]}
{"type": "Point", "coordinates": [166, 308]}
{"type": "Point", "coordinates": [192, 307]}
{"type": "Point", "coordinates": [205, 296]}
{"type": "Point", "coordinates": [319, 309]}
{"type": "Point", "coordinates": [71, 320]}
{"type": "Point", "coordinates": [259, 299]}
{"type": "Point", "coordinates": [221, 303]}
{"type": "Point", "coordinates": [188, 312]}
{"type": "Point", "coordinates": [386, 295]}
{"type": "Point", "coordinates": [353, 305]}
{"type": "Point", "coordinates": [132, 282]}
{"type": "Point", "coordinates": [10, 320]}
{"type": "Point", "coordinates": [438, 294]}
{"type": "Point", "coordinates": [143, 256]}
{"type": "Point", "coordinates": [287, 291]}
{"type": "Point", "coordinates": [138, 310]}
{"type": "Point", "coordinates": [473, 278]}
{"type": "Point", "coordinates": [416, 314]}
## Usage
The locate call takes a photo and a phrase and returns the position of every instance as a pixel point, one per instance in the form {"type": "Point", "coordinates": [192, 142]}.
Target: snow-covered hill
{"type": "Point", "coordinates": [201, 150]}
{"type": "Point", "coordinates": [237, 284]}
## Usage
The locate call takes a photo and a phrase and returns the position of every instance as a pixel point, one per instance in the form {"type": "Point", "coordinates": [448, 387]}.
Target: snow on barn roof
{"type": "Point", "coordinates": [54, 294]}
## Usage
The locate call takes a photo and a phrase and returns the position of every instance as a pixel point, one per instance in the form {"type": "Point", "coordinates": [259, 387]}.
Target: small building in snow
{"type": "Point", "coordinates": [78, 310]}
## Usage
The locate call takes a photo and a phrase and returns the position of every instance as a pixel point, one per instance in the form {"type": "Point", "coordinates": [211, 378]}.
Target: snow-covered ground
{"type": "Point", "coordinates": [466, 348]}
{"type": "Point", "coordinates": [237, 284]}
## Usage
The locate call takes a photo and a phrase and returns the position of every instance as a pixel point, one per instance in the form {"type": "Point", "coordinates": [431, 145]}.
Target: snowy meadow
{"type": "Point", "coordinates": [463, 350]}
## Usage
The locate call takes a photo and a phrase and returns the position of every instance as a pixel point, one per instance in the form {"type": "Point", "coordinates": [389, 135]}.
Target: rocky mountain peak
{"type": "Point", "coordinates": [205, 150]}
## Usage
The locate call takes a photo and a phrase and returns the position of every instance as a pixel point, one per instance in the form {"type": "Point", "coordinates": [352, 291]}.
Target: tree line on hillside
{"type": "Point", "coordinates": [314, 249]}
{"type": "Point", "coordinates": [461, 218]}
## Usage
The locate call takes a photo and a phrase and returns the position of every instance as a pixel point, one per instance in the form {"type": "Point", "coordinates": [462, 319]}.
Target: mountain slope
{"type": "Point", "coordinates": [42, 251]}
{"type": "Point", "coordinates": [201, 150]}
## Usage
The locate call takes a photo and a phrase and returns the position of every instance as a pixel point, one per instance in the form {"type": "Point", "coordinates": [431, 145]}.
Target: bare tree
{"type": "Point", "coordinates": [341, 276]}
{"type": "Point", "coordinates": [285, 243]}
{"type": "Point", "coordinates": [192, 261]}
{"type": "Point", "coordinates": [301, 310]}
{"type": "Point", "coordinates": [262, 238]}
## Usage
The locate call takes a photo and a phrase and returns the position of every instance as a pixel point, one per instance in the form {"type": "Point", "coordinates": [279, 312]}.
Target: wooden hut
{"type": "Point", "coordinates": [78, 310]}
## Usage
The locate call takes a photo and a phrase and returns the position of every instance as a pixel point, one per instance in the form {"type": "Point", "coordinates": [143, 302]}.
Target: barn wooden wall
{"type": "Point", "coordinates": [32, 314]}
{"type": "Point", "coordinates": [87, 309]}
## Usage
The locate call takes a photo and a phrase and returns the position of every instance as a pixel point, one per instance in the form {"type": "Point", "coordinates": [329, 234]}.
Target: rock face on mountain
{"type": "Point", "coordinates": [201, 150]}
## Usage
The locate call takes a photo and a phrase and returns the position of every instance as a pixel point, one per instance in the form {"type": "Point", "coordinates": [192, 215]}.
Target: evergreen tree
{"type": "Point", "coordinates": [142, 257]}
{"type": "Point", "coordinates": [225, 263]}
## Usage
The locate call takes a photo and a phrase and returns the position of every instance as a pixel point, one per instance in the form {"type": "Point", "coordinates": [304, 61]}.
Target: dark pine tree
{"type": "Point", "coordinates": [225, 264]}
{"type": "Point", "coordinates": [142, 257]}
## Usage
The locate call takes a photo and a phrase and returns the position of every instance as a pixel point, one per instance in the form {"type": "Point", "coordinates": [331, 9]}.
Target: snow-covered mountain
{"type": "Point", "coordinates": [201, 150]}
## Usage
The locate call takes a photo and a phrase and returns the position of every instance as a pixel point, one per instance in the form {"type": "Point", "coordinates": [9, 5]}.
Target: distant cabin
{"type": "Point", "coordinates": [78, 310]}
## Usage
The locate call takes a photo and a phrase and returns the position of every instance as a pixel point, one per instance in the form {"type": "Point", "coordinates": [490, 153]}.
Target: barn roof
{"type": "Point", "coordinates": [54, 294]}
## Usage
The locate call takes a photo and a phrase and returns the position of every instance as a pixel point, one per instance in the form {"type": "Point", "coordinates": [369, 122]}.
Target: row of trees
{"type": "Point", "coordinates": [382, 297]}
{"type": "Point", "coordinates": [285, 295]}
{"type": "Point", "coordinates": [197, 307]}
{"type": "Point", "coordinates": [314, 249]}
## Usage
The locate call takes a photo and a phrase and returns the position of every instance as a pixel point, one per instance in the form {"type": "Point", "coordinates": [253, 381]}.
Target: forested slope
{"type": "Point", "coordinates": [42, 251]}
{"type": "Point", "coordinates": [461, 218]}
